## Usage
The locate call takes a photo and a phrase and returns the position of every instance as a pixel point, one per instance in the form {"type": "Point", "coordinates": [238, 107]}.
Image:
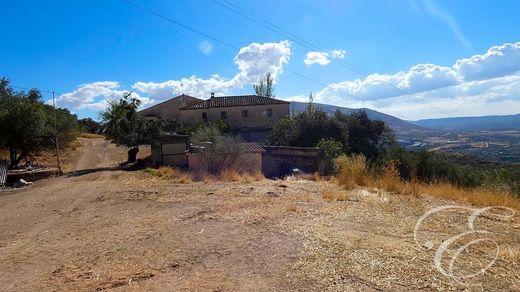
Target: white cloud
{"type": "Point", "coordinates": [319, 58]}
{"type": "Point", "coordinates": [338, 54]}
{"type": "Point", "coordinates": [479, 85]}
{"type": "Point", "coordinates": [323, 58]}
{"type": "Point", "coordinates": [497, 61]}
{"type": "Point", "coordinates": [205, 47]}
{"type": "Point", "coordinates": [445, 17]}
{"type": "Point", "coordinates": [95, 96]}
{"type": "Point", "coordinates": [253, 61]}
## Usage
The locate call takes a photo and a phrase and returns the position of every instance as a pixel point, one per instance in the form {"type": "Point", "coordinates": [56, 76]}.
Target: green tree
{"type": "Point", "coordinates": [88, 125]}
{"type": "Point", "coordinates": [27, 124]}
{"type": "Point", "coordinates": [330, 150]}
{"type": "Point", "coordinates": [124, 126]}
{"type": "Point", "coordinates": [265, 87]}
{"type": "Point", "coordinates": [284, 132]}
{"type": "Point", "coordinates": [218, 151]}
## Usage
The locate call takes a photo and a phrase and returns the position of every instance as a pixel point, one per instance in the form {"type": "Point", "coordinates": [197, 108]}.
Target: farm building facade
{"type": "Point", "coordinates": [251, 116]}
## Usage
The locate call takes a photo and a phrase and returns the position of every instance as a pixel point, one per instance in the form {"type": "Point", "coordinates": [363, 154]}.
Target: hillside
{"type": "Point", "coordinates": [484, 123]}
{"type": "Point", "coordinates": [395, 123]}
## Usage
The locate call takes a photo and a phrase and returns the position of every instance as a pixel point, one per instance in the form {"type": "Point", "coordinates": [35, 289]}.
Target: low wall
{"type": "Point", "coordinates": [279, 161]}
{"type": "Point", "coordinates": [30, 176]}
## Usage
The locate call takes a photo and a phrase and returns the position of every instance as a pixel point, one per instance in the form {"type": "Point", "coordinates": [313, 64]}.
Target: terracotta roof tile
{"type": "Point", "coordinates": [228, 101]}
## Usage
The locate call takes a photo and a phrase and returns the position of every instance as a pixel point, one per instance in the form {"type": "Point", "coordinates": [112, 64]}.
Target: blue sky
{"type": "Point", "coordinates": [421, 59]}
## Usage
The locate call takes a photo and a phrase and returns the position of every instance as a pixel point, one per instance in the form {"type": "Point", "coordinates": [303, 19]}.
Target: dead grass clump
{"type": "Point", "coordinates": [390, 180]}
{"type": "Point", "coordinates": [291, 208]}
{"type": "Point", "coordinates": [91, 136]}
{"type": "Point", "coordinates": [174, 174]}
{"type": "Point", "coordinates": [235, 176]}
{"type": "Point", "coordinates": [331, 194]}
{"type": "Point", "coordinates": [74, 145]}
{"type": "Point", "coordinates": [481, 197]}
{"type": "Point", "coordinates": [352, 171]}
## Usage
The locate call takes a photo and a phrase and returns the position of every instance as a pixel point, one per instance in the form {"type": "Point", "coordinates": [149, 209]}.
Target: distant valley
{"type": "Point", "coordinates": [494, 138]}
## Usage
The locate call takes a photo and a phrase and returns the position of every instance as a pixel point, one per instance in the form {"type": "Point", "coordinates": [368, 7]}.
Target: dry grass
{"type": "Point", "coordinates": [174, 174]}
{"type": "Point", "coordinates": [352, 171]}
{"type": "Point", "coordinates": [478, 197]}
{"type": "Point", "coordinates": [233, 175]}
{"type": "Point", "coordinates": [74, 145]}
{"type": "Point", "coordinates": [333, 194]}
{"type": "Point", "coordinates": [91, 136]}
{"type": "Point", "coordinates": [291, 208]}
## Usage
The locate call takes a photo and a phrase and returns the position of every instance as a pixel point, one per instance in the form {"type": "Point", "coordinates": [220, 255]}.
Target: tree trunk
{"type": "Point", "coordinates": [14, 159]}
{"type": "Point", "coordinates": [132, 154]}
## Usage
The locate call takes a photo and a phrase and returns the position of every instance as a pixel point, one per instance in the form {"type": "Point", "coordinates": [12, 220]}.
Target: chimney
{"type": "Point", "coordinates": [212, 95]}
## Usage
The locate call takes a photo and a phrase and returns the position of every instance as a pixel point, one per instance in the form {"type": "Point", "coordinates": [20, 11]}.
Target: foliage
{"type": "Point", "coordinates": [124, 126]}
{"type": "Point", "coordinates": [366, 136]}
{"type": "Point", "coordinates": [459, 171]}
{"type": "Point", "coordinates": [27, 123]}
{"type": "Point", "coordinates": [218, 151]}
{"type": "Point", "coordinates": [285, 132]}
{"type": "Point", "coordinates": [265, 86]}
{"type": "Point", "coordinates": [219, 125]}
{"type": "Point", "coordinates": [356, 132]}
{"type": "Point", "coordinates": [88, 125]}
{"type": "Point", "coordinates": [351, 171]}
{"type": "Point", "coordinates": [330, 150]}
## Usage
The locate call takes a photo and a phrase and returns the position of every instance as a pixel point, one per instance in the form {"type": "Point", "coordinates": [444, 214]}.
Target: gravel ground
{"type": "Point", "coordinates": [105, 229]}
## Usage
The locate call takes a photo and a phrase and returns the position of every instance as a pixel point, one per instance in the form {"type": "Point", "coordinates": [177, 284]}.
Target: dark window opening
{"type": "Point", "coordinates": [269, 112]}
{"type": "Point", "coordinates": [223, 115]}
{"type": "Point", "coordinates": [204, 116]}
{"type": "Point", "coordinates": [244, 113]}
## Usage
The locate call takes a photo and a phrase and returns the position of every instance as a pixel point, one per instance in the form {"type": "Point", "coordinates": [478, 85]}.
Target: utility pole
{"type": "Point", "coordinates": [56, 134]}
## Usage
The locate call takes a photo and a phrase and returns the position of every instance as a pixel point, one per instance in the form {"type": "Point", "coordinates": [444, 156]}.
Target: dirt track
{"type": "Point", "coordinates": [99, 228]}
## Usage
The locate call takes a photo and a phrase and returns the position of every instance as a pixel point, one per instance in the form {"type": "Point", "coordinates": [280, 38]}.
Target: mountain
{"type": "Point", "coordinates": [396, 124]}
{"type": "Point", "coordinates": [484, 123]}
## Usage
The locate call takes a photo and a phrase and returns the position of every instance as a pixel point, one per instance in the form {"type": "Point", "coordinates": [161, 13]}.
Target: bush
{"type": "Point", "coordinates": [351, 171]}
{"type": "Point", "coordinates": [330, 150]}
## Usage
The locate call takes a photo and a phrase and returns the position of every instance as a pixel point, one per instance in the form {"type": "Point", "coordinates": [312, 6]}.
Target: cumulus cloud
{"type": "Point", "coordinates": [323, 58]}
{"type": "Point", "coordinates": [319, 58]}
{"type": "Point", "coordinates": [252, 61]}
{"type": "Point", "coordinates": [497, 61]}
{"type": "Point", "coordinates": [338, 54]}
{"type": "Point", "coordinates": [95, 95]}
{"type": "Point", "coordinates": [429, 90]}
{"type": "Point", "coordinates": [205, 47]}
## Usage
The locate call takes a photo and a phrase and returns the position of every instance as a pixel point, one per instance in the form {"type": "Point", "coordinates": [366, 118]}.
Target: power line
{"type": "Point", "coordinates": [279, 30]}
{"type": "Point", "coordinates": [40, 90]}
{"type": "Point", "coordinates": [151, 12]}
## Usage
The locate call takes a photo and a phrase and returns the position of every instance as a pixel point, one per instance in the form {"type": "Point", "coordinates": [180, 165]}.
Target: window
{"type": "Point", "coordinates": [244, 113]}
{"type": "Point", "coordinates": [204, 116]}
{"type": "Point", "coordinates": [223, 115]}
{"type": "Point", "coordinates": [269, 112]}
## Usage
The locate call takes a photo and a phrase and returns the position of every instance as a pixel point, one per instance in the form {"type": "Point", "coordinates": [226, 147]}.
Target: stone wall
{"type": "Point", "coordinates": [257, 115]}
{"type": "Point", "coordinates": [279, 161]}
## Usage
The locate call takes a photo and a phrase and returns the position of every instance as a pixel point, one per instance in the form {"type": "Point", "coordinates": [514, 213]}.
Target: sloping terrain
{"type": "Point", "coordinates": [103, 229]}
{"type": "Point", "coordinates": [485, 123]}
{"type": "Point", "coordinates": [395, 123]}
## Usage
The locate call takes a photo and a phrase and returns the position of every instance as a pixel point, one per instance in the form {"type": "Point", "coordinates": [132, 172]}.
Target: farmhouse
{"type": "Point", "coordinates": [251, 116]}
{"type": "Point", "coordinates": [169, 110]}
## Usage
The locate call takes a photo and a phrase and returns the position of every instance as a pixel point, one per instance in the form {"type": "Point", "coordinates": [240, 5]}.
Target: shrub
{"type": "Point", "coordinates": [351, 171]}
{"type": "Point", "coordinates": [330, 150]}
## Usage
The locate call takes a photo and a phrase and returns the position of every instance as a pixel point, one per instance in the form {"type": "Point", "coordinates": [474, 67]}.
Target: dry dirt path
{"type": "Point", "coordinates": [104, 229]}
{"type": "Point", "coordinates": [97, 229]}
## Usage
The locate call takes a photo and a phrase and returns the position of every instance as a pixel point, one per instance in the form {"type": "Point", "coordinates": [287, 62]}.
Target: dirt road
{"type": "Point", "coordinates": [103, 229]}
